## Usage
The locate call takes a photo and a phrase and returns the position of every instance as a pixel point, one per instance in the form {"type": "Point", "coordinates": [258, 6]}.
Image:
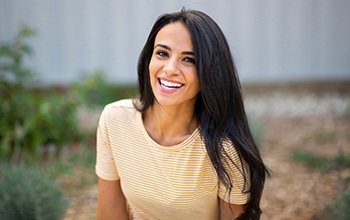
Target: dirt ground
{"type": "Point", "coordinates": [293, 191]}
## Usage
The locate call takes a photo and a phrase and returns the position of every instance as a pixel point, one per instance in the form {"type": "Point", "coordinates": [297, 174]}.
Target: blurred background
{"type": "Point", "coordinates": [271, 40]}
{"type": "Point", "coordinates": [62, 61]}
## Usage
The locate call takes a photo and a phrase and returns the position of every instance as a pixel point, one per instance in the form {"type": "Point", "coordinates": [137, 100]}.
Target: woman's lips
{"type": "Point", "coordinates": [168, 86]}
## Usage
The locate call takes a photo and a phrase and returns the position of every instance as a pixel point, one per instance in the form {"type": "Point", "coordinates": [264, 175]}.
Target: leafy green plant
{"type": "Point", "coordinates": [30, 119]}
{"type": "Point", "coordinates": [28, 194]}
{"type": "Point", "coordinates": [322, 163]}
{"type": "Point", "coordinates": [94, 89]}
{"type": "Point", "coordinates": [57, 118]}
{"type": "Point", "coordinates": [12, 56]}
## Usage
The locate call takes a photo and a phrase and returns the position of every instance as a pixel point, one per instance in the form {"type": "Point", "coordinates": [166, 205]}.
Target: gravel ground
{"type": "Point", "coordinates": [298, 100]}
{"type": "Point", "coordinates": [282, 104]}
{"type": "Point", "coordinates": [293, 117]}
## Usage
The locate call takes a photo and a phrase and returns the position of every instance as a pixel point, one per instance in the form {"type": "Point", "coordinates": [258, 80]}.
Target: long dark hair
{"type": "Point", "coordinates": [219, 106]}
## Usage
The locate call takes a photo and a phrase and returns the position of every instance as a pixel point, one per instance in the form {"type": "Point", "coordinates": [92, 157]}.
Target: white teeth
{"type": "Point", "coordinates": [170, 84]}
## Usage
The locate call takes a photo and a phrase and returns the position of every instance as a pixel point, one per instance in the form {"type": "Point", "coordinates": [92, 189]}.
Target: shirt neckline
{"type": "Point", "coordinates": [176, 147]}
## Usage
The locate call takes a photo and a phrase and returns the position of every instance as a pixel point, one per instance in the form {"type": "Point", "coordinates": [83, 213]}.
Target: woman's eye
{"type": "Point", "coordinates": [189, 60]}
{"type": "Point", "coordinates": [162, 53]}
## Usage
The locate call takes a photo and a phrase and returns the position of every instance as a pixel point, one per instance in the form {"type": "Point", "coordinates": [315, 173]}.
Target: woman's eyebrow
{"type": "Point", "coordinates": [162, 45]}
{"type": "Point", "coordinates": [188, 53]}
{"type": "Point", "coordinates": [168, 48]}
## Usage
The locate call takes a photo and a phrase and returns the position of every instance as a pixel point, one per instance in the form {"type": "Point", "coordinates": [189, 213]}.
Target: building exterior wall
{"type": "Point", "coordinates": [271, 40]}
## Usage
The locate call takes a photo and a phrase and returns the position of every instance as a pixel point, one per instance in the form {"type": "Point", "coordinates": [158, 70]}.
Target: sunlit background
{"type": "Point", "coordinates": [61, 61]}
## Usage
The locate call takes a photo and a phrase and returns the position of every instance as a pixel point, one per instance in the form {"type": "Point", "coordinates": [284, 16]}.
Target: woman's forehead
{"type": "Point", "coordinates": [174, 35]}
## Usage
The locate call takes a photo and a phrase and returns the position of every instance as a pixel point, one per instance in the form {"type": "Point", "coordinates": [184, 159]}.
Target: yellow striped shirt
{"type": "Point", "coordinates": [160, 182]}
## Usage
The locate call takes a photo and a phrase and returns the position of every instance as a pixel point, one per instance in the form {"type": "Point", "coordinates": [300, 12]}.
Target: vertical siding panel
{"type": "Point", "coordinates": [270, 39]}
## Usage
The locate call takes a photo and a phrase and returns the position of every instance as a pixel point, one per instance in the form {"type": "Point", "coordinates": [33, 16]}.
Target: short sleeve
{"type": "Point", "coordinates": [240, 177]}
{"type": "Point", "coordinates": [105, 165]}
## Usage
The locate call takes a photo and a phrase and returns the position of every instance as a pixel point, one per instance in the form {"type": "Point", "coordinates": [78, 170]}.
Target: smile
{"type": "Point", "coordinates": [169, 85]}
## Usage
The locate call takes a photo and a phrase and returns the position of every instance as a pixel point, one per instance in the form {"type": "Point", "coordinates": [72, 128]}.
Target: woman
{"type": "Point", "coordinates": [183, 150]}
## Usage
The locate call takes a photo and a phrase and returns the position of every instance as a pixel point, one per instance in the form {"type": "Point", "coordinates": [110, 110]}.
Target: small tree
{"type": "Point", "coordinates": [29, 120]}
{"type": "Point", "coordinates": [12, 55]}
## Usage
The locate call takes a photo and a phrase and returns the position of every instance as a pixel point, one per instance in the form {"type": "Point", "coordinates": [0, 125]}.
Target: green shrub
{"type": "Point", "coordinates": [57, 118]}
{"type": "Point", "coordinates": [30, 119]}
{"type": "Point", "coordinates": [311, 160]}
{"type": "Point", "coordinates": [322, 163]}
{"type": "Point", "coordinates": [28, 194]}
{"type": "Point", "coordinates": [94, 89]}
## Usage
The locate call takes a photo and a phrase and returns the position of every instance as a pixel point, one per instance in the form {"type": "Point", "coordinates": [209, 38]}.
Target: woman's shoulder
{"type": "Point", "coordinates": [123, 103]}
{"type": "Point", "coordinates": [120, 108]}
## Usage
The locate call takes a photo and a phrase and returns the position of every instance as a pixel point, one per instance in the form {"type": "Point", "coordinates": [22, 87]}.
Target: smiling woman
{"type": "Point", "coordinates": [172, 69]}
{"type": "Point", "coordinates": [183, 149]}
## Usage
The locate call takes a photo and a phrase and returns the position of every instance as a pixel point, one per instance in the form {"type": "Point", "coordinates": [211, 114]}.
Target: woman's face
{"type": "Point", "coordinates": [172, 67]}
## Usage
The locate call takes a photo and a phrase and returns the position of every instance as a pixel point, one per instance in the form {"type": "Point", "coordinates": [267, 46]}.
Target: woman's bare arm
{"type": "Point", "coordinates": [230, 211]}
{"type": "Point", "coordinates": [110, 201]}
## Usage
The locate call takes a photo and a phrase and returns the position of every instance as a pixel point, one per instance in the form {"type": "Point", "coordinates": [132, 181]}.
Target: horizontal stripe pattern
{"type": "Point", "coordinates": [160, 182]}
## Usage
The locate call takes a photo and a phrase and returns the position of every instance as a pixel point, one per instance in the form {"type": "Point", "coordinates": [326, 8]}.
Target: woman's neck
{"type": "Point", "coordinates": [169, 126]}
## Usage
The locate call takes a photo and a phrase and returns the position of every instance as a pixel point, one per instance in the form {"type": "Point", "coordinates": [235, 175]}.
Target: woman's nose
{"type": "Point", "coordinates": [171, 67]}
